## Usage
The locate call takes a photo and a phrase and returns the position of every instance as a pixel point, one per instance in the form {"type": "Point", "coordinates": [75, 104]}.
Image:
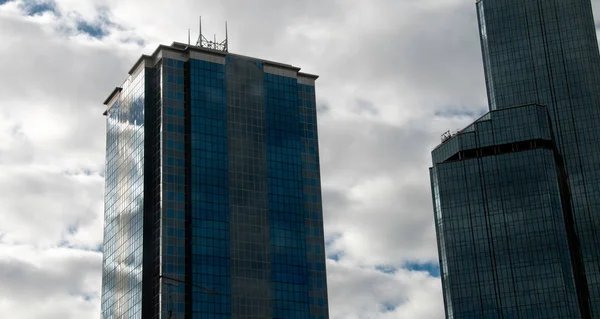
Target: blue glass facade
{"type": "Point", "coordinates": [503, 244]}
{"type": "Point", "coordinates": [124, 202]}
{"type": "Point", "coordinates": [549, 55]}
{"type": "Point", "coordinates": [312, 204]}
{"type": "Point", "coordinates": [233, 215]}
{"type": "Point", "coordinates": [546, 53]}
{"type": "Point", "coordinates": [172, 188]}
{"type": "Point", "coordinates": [288, 241]}
{"type": "Point", "coordinates": [210, 226]}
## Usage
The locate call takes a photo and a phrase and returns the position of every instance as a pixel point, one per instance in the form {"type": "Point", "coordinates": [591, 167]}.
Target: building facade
{"type": "Point", "coordinates": [213, 199]}
{"type": "Point", "coordinates": [517, 193]}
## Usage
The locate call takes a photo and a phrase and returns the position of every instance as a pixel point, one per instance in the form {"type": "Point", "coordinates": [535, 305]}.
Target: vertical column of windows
{"type": "Point", "coordinates": [289, 273]}
{"type": "Point", "coordinates": [172, 157]}
{"type": "Point", "coordinates": [249, 212]}
{"type": "Point", "coordinates": [312, 205]}
{"type": "Point", "coordinates": [211, 265]}
{"type": "Point", "coordinates": [154, 189]}
{"type": "Point", "coordinates": [110, 224]}
{"type": "Point", "coordinates": [122, 260]}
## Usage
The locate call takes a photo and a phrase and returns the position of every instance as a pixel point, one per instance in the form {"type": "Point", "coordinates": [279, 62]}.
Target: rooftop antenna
{"type": "Point", "coordinates": [226, 38]}
{"type": "Point", "coordinates": [214, 45]}
{"type": "Point", "coordinates": [189, 37]}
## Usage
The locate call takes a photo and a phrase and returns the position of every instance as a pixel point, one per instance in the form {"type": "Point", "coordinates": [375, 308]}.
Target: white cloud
{"type": "Point", "coordinates": [362, 293]}
{"type": "Point", "coordinates": [49, 282]}
{"type": "Point", "coordinates": [387, 67]}
{"type": "Point", "coordinates": [40, 206]}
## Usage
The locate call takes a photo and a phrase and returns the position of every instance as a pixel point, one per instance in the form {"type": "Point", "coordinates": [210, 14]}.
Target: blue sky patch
{"type": "Point", "coordinates": [89, 297]}
{"type": "Point", "coordinates": [388, 307]}
{"type": "Point", "coordinates": [95, 30]}
{"type": "Point", "coordinates": [33, 8]}
{"type": "Point", "coordinates": [66, 244]}
{"type": "Point", "coordinates": [432, 268]}
{"type": "Point", "coordinates": [72, 229]}
{"type": "Point", "coordinates": [335, 256]}
{"type": "Point", "coordinates": [139, 41]}
{"type": "Point", "coordinates": [99, 28]}
{"type": "Point", "coordinates": [5, 1]}
{"type": "Point", "coordinates": [386, 269]}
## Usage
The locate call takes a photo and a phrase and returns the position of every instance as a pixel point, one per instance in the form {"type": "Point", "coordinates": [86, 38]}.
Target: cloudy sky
{"type": "Point", "coordinates": [395, 74]}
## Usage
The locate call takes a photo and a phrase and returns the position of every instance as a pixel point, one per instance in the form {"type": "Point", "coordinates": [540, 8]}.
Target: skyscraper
{"type": "Point", "coordinates": [213, 199]}
{"type": "Point", "coordinates": [517, 193]}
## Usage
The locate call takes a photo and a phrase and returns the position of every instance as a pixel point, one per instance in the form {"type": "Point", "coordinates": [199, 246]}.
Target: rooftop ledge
{"type": "Point", "coordinates": [485, 117]}
{"type": "Point", "coordinates": [183, 48]}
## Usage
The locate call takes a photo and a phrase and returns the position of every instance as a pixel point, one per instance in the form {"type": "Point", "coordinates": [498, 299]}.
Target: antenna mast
{"type": "Point", "coordinates": [213, 45]}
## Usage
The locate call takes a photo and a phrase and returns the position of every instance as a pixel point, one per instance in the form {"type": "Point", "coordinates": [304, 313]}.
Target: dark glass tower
{"type": "Point", "coordinates": [213, 199]}
{"type": "Point", "coordinates": [517, 193]}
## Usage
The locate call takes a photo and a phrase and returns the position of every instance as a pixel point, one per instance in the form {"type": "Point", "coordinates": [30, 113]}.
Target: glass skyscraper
{"type": "Point", "coordinates": [517, 193]}
{"type": "Point", "coordinates": [213, 197]}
